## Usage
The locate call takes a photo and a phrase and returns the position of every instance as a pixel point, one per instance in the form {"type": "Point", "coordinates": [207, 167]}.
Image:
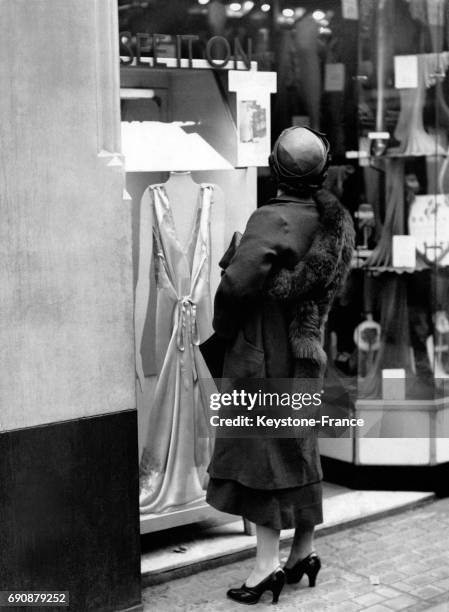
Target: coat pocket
{"type": "Point", "coordinates": [244, 359]}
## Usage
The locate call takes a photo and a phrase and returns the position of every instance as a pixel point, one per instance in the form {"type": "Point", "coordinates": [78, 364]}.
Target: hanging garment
{"type": "Point", "coordinates": [435, 18]}
{"type": "Point", "coordinates": [435, 69]}
{"type": "Point", "coordinates": [410, 127]}
{"type": "Point", "coordinates": [394, 223]}
{"type": "Point", "coordinates": [306, 45]}
{"type": "Point", "coordinates": [178, 448]}
{"type": "Point", "coordinates": [384, 55]}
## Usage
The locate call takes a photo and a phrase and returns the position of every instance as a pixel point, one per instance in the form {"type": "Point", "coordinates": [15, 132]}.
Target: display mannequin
{"type": "Point", "coordinates": [394, 350]}
{"type": "Point", "coordinates": [183, 195]}
{"type": "Point", "coordinates": [182, 227]}
{"type": "Point", "coordinates": [182, 192]}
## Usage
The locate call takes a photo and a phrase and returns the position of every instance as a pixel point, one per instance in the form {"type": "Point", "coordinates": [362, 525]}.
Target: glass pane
{"type": "Point", "coordinates": [401, 73]}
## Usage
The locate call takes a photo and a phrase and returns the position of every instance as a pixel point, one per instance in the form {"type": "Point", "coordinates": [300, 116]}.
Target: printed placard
{"type": "Point", "coordinates": [253, 115]}
{"type": "Point", "coordinates": [393, 384]}
{"type": "Point", "coordinates": [334, 77]}
{"type": "Point", "coordinates": [379, 135]}
{"type": "Point", "coordinates": [350, 9]}
{"type": "Point", "coordinates": [406, 71]}
{"type": "Point", "coordinates": [404, 252]}
{"type": "Point", "coordinates": [428, 223]}
{"type": "Point", "coordinates": [356, 154]}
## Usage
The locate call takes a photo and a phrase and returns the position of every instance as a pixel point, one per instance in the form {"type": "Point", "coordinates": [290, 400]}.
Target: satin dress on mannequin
{"type": "Point", "coordinates": [177, 447]}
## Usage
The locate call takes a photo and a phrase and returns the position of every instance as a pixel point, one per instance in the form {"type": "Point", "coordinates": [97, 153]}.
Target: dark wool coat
{"type": "Point", "coordinates": [271, 307]}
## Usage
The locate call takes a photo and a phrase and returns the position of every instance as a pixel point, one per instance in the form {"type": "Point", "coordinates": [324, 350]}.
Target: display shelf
{"type": "Point", "coordinates": [200, 511]}
{"type": "Point", "coordinates": [224, 116]}
{"type": "Point", "coordinates": [391, 269]}
{"type": "Point", "coordinates": [387, 155]}
{"type": "Point", "coordinates": [358, 265]}
{"type": "Point", "coordinates": [395, 424]}
{"type": "Point", "coordinates": [391, 155]}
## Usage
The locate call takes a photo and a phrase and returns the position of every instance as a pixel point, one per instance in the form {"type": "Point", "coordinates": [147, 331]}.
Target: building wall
{"type": "Point", "coordinates": [66, 347]}
{"type": "Point", "coordinates": [68, 422]}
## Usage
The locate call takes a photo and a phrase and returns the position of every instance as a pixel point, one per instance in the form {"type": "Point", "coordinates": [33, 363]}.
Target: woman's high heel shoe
{"type": "Point", "coordinates": [251, 595]}
{"type": "Point", "coordinates": [311, 565]}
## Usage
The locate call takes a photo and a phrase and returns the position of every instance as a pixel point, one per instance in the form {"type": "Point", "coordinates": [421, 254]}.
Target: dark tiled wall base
{"type": "Point", "coordinates": [69, 515]}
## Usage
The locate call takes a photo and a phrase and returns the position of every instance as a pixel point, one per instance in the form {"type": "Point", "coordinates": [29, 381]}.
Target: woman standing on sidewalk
{"type": "Point", "coordinates": [271, 307]}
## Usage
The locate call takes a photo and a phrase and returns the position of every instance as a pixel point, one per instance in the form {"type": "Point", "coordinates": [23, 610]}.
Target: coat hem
{"type": "Point", "coordinates": [258, 486]}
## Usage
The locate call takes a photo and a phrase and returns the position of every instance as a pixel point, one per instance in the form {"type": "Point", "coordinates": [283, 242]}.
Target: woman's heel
{"type": "Point", "coordinates": [278, 585]}
{"type": "Point", "coordinates": [251, 595]}
{"type": "Point", "coordinates": [312, 579]}
{"type": "Point", "coordinates": [312, 569]}
{"type": "Point", "coordinates": [310, 566]}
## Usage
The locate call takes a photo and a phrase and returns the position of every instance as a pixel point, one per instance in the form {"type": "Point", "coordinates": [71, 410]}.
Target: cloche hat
{"type": "Point", "coordinates": [301, 153]}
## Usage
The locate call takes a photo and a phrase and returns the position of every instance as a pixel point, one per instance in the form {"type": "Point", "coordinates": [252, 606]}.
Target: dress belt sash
{"type": "Point", "coordinates": [187, 335]}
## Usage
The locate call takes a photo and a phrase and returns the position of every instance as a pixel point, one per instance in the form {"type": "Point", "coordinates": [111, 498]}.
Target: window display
{"type": "Point", "coordinates": [182, 119]}
{"type": "Point", "coordinates": [407, 262]}
{"type": "Point", "coordinates": [373, 76]}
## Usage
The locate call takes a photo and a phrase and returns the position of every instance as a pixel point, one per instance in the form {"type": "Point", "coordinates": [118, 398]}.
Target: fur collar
{"type": "Point", "coordinates": [310, 288]}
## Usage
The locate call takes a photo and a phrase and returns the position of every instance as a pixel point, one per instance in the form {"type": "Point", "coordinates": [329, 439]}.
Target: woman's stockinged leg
{"type": "Point", "coordinates": [302, 544]}
{"type": "Point", "coordinates": [267, 557]}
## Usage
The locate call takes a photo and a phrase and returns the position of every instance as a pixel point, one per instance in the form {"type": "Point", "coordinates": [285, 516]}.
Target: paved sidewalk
{"type": "Point", "coordinates": [396, 563]}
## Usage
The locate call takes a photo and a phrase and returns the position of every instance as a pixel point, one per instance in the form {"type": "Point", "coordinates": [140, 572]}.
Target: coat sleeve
{"type": "Point", "coordinates": [265, 240]}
